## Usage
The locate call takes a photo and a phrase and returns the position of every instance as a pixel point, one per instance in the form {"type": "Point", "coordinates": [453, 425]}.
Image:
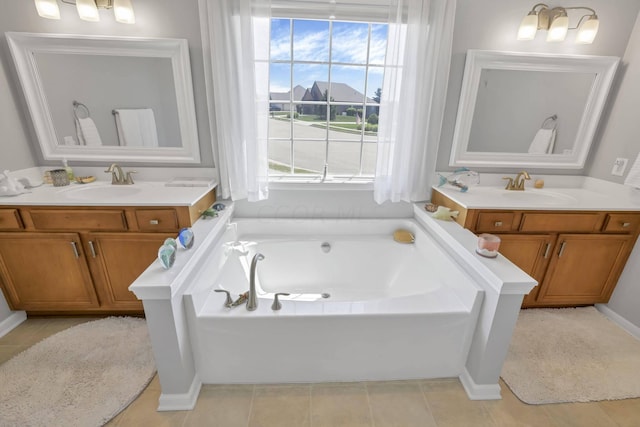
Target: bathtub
{"type": "Point", "coordinates": [361, 306]}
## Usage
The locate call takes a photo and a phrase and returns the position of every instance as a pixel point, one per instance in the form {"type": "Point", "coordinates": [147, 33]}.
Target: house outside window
{"type": "Point", "coordinates": [325, 88]}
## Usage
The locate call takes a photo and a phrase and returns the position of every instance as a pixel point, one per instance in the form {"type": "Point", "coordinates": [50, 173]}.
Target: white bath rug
{"type": "Point", "coordinates": [82, 376]}
{"type": "Point", "coordinates": [571, 355]}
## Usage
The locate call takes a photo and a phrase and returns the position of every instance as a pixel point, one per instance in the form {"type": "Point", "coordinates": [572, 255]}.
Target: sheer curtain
{"type": "Point", "coordinates": [413, 98]}
{"type": "Point", "coordinates": [235, 37]}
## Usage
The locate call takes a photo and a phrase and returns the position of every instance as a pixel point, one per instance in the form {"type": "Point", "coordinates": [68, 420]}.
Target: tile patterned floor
{"type": "Point", "coordinates": [372, 404]}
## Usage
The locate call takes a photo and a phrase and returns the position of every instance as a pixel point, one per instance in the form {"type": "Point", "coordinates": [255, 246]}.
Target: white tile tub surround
{"type": "Point", "coordinates": [178, 341]}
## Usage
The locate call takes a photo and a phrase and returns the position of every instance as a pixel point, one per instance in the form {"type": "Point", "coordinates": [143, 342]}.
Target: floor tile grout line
{"type": "Point", "coordinates": [253, 395]}
{"type": "Point", "coordinates": [366, 390]}
{"type": "Point", "coordinates": [426, 402]}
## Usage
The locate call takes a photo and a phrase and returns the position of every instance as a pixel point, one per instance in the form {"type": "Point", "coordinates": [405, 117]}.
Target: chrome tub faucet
{"type": "Point", "coordinates": [252, 299]}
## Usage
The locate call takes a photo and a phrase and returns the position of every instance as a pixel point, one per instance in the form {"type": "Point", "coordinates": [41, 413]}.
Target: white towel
{"type": "Point", "coordinates": [633, 178]}
{"type": "Point", "coordinates": [87, 132]}
{"type": "Point", "coordinates": [137, 127]}
{"type": "Point", "coordinates": [543, 142]}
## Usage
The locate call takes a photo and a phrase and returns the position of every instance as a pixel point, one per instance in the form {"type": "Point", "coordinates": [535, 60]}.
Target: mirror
{"type": "Point", "coordinates": [108, 99]}
{"type": "Point", "coordinates": [529, 109]}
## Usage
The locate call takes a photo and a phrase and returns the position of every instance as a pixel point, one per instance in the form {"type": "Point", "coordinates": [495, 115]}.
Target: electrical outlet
{"type": "Point", "coordinates": [619, 166]}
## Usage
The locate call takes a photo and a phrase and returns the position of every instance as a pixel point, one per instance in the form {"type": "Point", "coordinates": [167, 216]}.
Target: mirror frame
{"type": "Point", "coordinates": [604, 68]}
{"type": "Point", "coordinates": [23, 48]}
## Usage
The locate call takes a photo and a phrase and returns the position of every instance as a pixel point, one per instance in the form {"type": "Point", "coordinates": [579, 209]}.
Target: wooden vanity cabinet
{"type": "Point", "coordinates": [72, 260]}
{"type": "Point", "coordinates": [576, 256]}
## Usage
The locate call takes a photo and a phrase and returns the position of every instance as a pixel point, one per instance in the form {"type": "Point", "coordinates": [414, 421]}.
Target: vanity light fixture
{"type": "Point", "coordinates": [556, 22]}
{"type": "Point", "coordinates": [88, 9]}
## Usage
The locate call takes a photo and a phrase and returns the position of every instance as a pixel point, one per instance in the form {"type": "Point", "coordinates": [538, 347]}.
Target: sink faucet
{"type": "Point", "coordinates": [252, 299]}
{"type": "Point", "coordinates": [118, 177]}
{"type": "Point", "coordinates": [517, 183]}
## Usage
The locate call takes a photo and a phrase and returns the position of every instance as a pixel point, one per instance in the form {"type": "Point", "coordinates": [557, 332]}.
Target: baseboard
{"type": "Point", "coordinates": [619, 320]}
{"type": "Point", "coordinates": [479, 391]}
{"type": "Point", "coordinates": [11, 322]}
{"type": "Point", "coordinates": [181, 401]}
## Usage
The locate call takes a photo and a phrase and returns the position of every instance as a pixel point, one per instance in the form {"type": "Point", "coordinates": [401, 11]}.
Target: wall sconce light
{"type": "Point", "coordinates": [556, 22]}
{"type": "Point", "coordinates": [88, 9]}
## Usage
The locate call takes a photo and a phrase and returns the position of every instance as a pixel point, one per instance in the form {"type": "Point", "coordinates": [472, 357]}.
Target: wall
{"type": "Point", "coordinates": [493, 24]}
{"type": "Point", "coordinates": [154, 18]}
{"type": "Point", "coordinates": [620, 138]}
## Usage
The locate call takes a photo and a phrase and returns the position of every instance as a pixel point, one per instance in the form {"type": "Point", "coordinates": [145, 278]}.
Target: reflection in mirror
{"type": "Point", "coordinates": [108, 99]}
{"type": "Point", "coordinates": [529, 110]}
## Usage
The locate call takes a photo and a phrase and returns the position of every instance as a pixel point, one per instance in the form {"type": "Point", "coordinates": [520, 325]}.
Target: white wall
{"type": "Point", "coordinates": [621, 138]}
{"type": "Point", "coordinates": [154, 18]}
{"type": "Point", "coordinates": [493, 24]}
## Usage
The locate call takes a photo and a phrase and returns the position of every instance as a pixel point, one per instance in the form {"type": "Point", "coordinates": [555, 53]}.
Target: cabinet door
{"type": "Point", "coordinates": [116, 260]}
{"type": "Point", "coordinates": [45, 272]}
{"type": "Point", "coordinates": [584, 268]}
{"type": "Point", "coordinates": [531, 253]}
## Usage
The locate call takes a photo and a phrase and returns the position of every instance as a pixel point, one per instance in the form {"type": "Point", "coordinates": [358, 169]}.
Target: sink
{"type": "Point", "coordinates": [539, 197]}
{"type": "Point", "coordinates": [96, 193]}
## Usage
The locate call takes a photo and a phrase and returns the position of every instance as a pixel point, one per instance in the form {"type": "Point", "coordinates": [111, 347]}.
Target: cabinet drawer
{"type": "Point", "coordinates": [495, 221]}
{"type": "Point", "coordinates": [157, 219]}
{"type": "Point", "coordinates": [79, 219]}
{"type": "Point", "coordinates": [621, 223]}
{"type": "Point", "coordinates": [549, 222]}
{"type": "Point", "coordinates": [10, 219]}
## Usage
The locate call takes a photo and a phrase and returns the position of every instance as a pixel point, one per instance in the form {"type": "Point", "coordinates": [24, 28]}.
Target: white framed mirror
{"type": "Point", "coordinates": [108, 99]}
{"type": "Point", "coordinates": [529, 110]}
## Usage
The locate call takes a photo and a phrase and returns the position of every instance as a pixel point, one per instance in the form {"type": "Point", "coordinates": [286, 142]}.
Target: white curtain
{"type": "Point", "coordinates": [236, 37]}
{"type": "Point", "coordinates": [413, 98]}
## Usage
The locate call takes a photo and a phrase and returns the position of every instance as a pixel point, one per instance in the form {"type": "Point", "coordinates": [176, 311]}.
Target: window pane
{"type": "Point", "coordinates": [369, 152]}
{"type": "Point", "coordinates": [378, 45]}
{"type": "Point", "coordinates": [310, 40]}
{"type": "Point", "coordinates": [279, 157]}
{"type": "Point", "coordinates": [348, 83]}
{"type": "Point", "coordinates": [280, 80]}
{"type": "Point", "coordinates": [279, 123]}
{"type": "Point", "coordinates": [349, 42]}
{"type": "Point", "coordinates": [281, 39]}
{"type": "Point", "coordinates": [344, 158]}
{"type": "Point", "coordinates": [306, 75]}
{"type": "Point", "coordinates": [309, 156]}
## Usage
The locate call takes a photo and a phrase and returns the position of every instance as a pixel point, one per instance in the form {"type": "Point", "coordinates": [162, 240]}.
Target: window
{"type": "Point", "coordinates": [324, 90]}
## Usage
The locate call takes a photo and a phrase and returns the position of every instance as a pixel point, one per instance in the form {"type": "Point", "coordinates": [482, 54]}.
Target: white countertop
{"type": "Point", "coordinates": [559, 193]}
{"type": "Point", "coordinates": [103, 193]}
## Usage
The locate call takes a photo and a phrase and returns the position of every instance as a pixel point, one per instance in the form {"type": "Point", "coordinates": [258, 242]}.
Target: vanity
{"type": "Point", "coordinates": [76, 249]}
{"type": "Point", "coordinates": [573, 239]}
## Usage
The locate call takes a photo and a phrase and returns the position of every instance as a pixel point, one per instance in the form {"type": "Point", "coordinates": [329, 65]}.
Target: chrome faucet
{"type": "Point", "coordinates": [252, 299]}
{"type": "Point", "coordinates": [517, 183]}
{"type": "Point", "coordinates": [118, 177]}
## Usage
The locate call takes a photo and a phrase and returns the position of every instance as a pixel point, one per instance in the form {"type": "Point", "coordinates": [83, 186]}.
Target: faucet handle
{"type": "Point", "coordinates": [509, 184]}
{"type": "Point", "coordinates": [228, 301]}
{"type": "Point", "coordinates": [129, 178]}
{"type": "Point", "coordinates": [276, 302]}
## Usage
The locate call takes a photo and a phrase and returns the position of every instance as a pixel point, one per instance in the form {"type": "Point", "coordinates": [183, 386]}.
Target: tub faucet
{"type": "Point", "coordinates": [118, 176]}
{"type": "Point", "coordinates": [517, 183]}
{"type": "Point", "coordinates": [252, 300]}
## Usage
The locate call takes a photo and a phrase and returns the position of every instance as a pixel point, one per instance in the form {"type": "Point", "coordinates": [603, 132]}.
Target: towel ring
{"type": "Point", "coordinates": [80, 106]}
{"type": "Point", "coordinates": [550, 118]}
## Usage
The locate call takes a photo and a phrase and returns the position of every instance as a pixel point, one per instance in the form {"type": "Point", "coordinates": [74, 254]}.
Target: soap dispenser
{"type": "Point", "coordinates": [68, 169]}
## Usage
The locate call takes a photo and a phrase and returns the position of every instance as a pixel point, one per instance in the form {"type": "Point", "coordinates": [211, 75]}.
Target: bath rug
{"type": "Point", "coordinates": [82, 376]}
{"type": "Point", "coordinates": [571, 355]}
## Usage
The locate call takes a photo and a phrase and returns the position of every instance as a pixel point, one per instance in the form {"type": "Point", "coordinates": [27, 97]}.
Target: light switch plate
{"type": "Point", "coordinates": [619, 166]}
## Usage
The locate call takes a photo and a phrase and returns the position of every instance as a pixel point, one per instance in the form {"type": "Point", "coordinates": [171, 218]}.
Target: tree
{"type": "Point", "coordinates": [322, 109]}
{"type": "Point", "coordinates": [377, 95]}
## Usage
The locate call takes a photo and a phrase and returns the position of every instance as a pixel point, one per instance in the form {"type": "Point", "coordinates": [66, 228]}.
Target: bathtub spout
{"type": "Point", "coordinates": [252, 300]}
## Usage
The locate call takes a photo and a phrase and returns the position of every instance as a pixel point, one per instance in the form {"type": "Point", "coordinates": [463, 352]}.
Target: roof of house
{"type": "Point", "coordinates": [298, 93]}
{"type": "Point", "coordinates": [342, 92]}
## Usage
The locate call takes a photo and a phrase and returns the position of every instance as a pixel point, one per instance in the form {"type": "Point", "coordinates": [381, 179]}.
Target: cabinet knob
{"type": "Point", "coordinates": [154, 222]}
{"type": "Point", "coordinates": [497, 224]}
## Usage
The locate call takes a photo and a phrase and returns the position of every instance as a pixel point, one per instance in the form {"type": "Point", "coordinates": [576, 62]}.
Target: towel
{"type": "Point", "coordinates": [87, 132]}
{"type": "Point", "coordinates": [633, 179]}
{"type": "Point", "coordinates": [543, 142]}
{"type": "Point", "coordinates": [136, 127]}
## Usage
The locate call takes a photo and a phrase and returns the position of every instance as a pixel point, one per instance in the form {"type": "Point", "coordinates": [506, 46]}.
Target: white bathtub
{"type": "Point", "coordinates": [395, 311]}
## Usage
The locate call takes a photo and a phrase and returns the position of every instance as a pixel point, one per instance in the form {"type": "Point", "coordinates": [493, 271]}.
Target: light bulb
{"type": "Point", "coordinates": [558, 29]}
{"type": "Point", "coordinates": [588, 30]}
{"type": "Point", "coordinates": [528, 27]}
{"type": "Point", "coordinates": [48, 9]}
{"type": "Point", "coordinates": [87, 10]}
{"type": "Point", "coordinates": [123, 11]}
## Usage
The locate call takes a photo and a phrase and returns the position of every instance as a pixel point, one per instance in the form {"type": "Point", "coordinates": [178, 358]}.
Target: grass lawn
{"type": "Point", "coordinates": [316, 118]}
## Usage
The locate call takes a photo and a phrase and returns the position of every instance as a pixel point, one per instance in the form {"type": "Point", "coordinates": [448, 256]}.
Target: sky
{"type": "Point", "coordinates": [311, 43]}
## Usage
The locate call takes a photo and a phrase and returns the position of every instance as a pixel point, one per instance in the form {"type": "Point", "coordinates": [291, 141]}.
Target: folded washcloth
{"type": "Point", "coordinates": [87, 132]}
{"type": "Point", "coordinates": [543, 142]}
{"type": "Point", "coordinates": [136, 127]}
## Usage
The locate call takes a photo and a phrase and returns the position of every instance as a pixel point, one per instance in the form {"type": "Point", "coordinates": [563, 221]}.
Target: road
{"type": "Point", "coordinates": [344, 155]}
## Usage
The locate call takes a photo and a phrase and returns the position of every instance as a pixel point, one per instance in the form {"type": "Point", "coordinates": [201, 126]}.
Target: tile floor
{"type": "Point", "coordinates": [397, 403]}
